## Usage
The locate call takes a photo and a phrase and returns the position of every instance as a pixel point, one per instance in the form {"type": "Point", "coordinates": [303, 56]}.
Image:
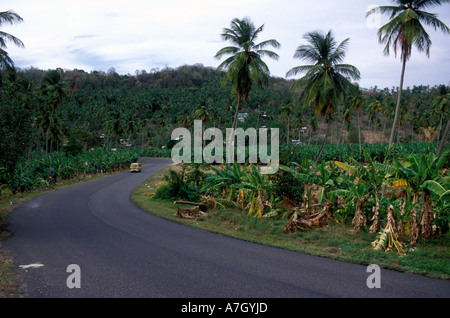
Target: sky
{"type": "Point", "coordinates": [136, 35]}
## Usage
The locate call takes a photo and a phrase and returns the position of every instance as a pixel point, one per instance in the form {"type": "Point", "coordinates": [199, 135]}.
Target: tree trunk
{"type": "Point", "coordinates": [439, 129]}
{"type": "Point", "coordinates": [426, 216]}
{"type": "Point", "coordinates": [397, 108]}
{"type": "Point", "coordinates": [325, 140]}
{"type": "Point", "coordinates": [443, 139]}
{"type": "Point", "coordinates": [413, 224]}
{"type": "Point", "coordinates": [231, 141]}
{"type": "Point", "coordinates": [359, 135]}
{"type": "Point", "coordinates": [359, 219]}
{"type": "Point", "coordinates": [288, 129]}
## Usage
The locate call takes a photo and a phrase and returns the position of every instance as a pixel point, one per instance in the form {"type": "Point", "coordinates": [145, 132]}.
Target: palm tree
{"type": "Point", "coordinates": [298, 123]}
{"type": "Point", "coordinates": [53, 88]}
{"type": "Point", "coordinates": [8, 17]}
{"type": "Point", "coordinates": [404, 30]}
{"type": "Point", "coordinates": [130, 127]}
{"type": "Point", "coordinates": [440, 104]}
{"type": "Point", "coordinates": [202, 113]}
{"type": "Point", "coordinates": [356, 102]}
{"type": "Point", "coordinates": [346, 117]}
{"type": "Point", "coordinates": [326, 80]}
{"type": "Point", "coordinates": [245, 64]}
{"type": "Point", "coordinates": [375, 107]}
{"type": "Point", "coordinates": [115, 126]}
{"type": "Point", "coordinates": [287, 110]}
{"type": "Point", "coordinates": [185, 119]}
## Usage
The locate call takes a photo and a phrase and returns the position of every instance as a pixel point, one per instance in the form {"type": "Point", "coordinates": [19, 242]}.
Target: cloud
{"type": "Point", "coordinates": [144, 34]}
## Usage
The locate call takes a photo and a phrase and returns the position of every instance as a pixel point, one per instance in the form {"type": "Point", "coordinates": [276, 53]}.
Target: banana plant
{"type": "Point", "coordinates": [324, 175]}
{"type": "Point", "coordinates": [371, 179]}
{"type": "Point", "coordinates": [387, 239]}
{"type": "Point", "coordinates": [258, 187]}
{"type": "Point", "coordinates": [224, 182]}
{"type": "Point", "coordinates": [421, 174]}
{"type": "Point", "coordinates": [354, 193]}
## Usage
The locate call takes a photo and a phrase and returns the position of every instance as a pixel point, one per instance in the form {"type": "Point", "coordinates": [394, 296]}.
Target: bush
{"type": "Point", "coordinates": [286, 185]}
{"type": "Point", "coordinates": [177, 188]}
{"type": "Point", "coordinates": [73, 147]}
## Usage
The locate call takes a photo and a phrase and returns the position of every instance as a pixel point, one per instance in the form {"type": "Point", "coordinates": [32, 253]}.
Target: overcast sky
{"type": "Point", "coordinates": [147, 34]}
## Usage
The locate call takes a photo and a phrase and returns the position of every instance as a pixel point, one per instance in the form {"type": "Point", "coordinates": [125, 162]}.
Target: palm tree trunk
{"type": "Point", "coordinates": [287, 136]}
{"type": "Point", "coordinates": [440, 128]}
{"type": "Point", "coordinates": [235, 122]}
{"type": "Point", "coordinates": [325, 139]}
{"type": "Point", "coordinates": [443, 139]}
{"type": "Point", "coordinates": [359, 134]}
{"type": "Point", "coordinates": [397, 108]}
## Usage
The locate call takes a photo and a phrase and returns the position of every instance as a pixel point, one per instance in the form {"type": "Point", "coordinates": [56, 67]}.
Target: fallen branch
{"type": "Point", "coordinates": [202, 206]}
{"type": "Point", "coordinates": [189, 213]}
{"type": "Point", "coordinates": [315, 221]}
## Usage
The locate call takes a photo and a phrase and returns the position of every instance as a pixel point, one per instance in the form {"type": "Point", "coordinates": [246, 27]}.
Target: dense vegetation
{"type": "Point", "coordinates": [74, 111]}
{"type": "Point", "coordinates": [376, 146]}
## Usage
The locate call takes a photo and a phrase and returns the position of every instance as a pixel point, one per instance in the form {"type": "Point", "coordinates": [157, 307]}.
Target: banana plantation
{"type": "Point", "coordinates": [373, 158]}
{"type": "Point", "coordinates": [402, 200]}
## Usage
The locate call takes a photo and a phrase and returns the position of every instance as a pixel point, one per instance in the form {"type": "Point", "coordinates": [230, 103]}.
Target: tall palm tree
{"type": "Point", "coordinates": [115, 125]}
{"type": "Point", "coordinates": [8, 17]}
{"type": "Point", "coordinates": [440, 105]}
{"type": "Point", "coordinates": [376, 106]}
{"type": "Point", "coordinates": [244, 65]}
{"type": "Point", "coordinates": [406, 29]}
{"type": "Point", "coordinates": [327, 79]}
{"type": "Point", "coordinates": [357, 103]}
{"type": "Point", "coordinates": [287, 110]}
{"type": "Point", "coordinates": [54, 90]}
{"type": "Point", "coordinates": [298, 123]}
{"type": "Point", "coordinates": [203, 113]}
{"type": "Point", "coordinates": [185, 119]}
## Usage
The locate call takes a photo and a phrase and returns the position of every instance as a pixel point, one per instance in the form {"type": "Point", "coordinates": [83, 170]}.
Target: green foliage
{"type": "Point", "coordinates": [177, 187]}
{"type": "Point", "coordinates": [44, 170]}
{"type": "Point", "coordinates": [286, 185]}
{"type": "Point", "coordinates": [15, 130]}
{"type": "Point", "coordinates": [73, 147]}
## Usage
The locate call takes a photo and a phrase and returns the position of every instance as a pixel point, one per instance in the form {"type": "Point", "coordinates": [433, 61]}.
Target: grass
{"type": "Point", "coordinates": [337, 240]}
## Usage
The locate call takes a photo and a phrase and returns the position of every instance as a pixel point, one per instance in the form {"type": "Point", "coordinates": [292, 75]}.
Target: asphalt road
{"type": "Point", "coordinates": [122, 251]}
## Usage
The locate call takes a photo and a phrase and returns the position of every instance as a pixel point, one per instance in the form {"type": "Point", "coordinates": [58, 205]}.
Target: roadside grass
{"type": "Point", "coordinates": [336, 240]}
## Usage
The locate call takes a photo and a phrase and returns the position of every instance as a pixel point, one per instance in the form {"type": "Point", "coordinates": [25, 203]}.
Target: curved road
{"type": "Point", "coordinates": [123, 251]}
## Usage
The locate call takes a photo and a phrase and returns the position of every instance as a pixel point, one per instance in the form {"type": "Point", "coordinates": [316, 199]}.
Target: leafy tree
{"type": "Point", "coordinates": [327, 79]}
{"type": "Point", "coordinates": [15, 131]}
{"type": "Point", "coordinates": [404, 30]}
